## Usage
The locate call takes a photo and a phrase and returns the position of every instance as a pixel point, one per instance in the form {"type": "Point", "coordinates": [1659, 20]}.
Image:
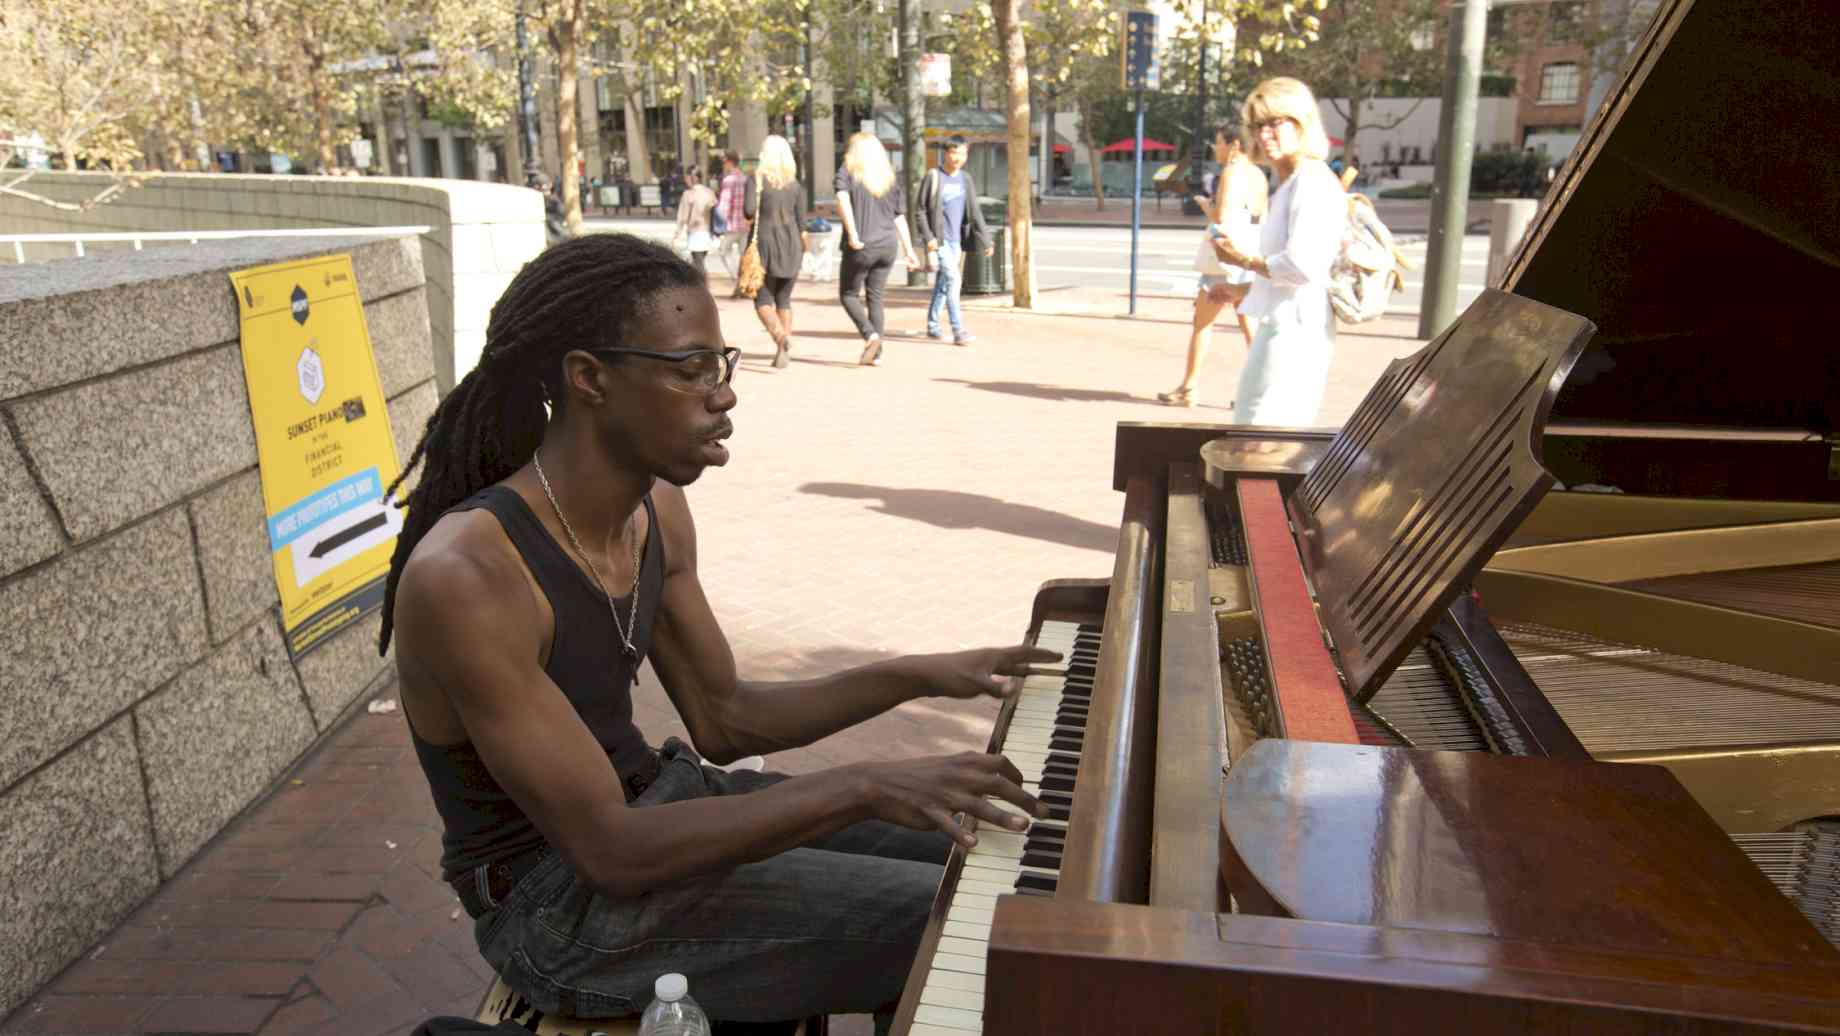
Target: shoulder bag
{"type": "Point", "coordinates": [752, 273]}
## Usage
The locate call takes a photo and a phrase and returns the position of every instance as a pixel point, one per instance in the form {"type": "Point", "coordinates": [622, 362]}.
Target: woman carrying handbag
{"type": "Point", "coordinates": [776, 204]}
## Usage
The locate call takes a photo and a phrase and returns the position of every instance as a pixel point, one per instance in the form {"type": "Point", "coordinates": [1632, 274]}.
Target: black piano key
{"type": "Point", "coordinates": [1069, 745]}
{"type": "Point", "coordinates": [1061, 759]}
{"type": "Point", "coordinates": [1046, 861]}
{"type": "Point", "coordinates": [1056, 783]}
{"type": "Point", "coordinates": [1035, 891]}
{"type": "Point", "coordinates": [1041, 883]}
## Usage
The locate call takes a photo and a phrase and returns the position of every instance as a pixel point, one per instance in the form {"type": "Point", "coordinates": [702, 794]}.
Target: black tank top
{"type": "Point", "coordinates": [586, 660]}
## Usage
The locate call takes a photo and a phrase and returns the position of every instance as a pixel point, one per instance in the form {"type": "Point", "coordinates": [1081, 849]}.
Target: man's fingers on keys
{"type": "Point", "coordinates": [991, 813]}
{"type": "Point", "coordinates": [1010, 789]}
{"type": "Point", "coordinates": [943, 820]}
{"type": "Point", "coordinates": [1016, 661]}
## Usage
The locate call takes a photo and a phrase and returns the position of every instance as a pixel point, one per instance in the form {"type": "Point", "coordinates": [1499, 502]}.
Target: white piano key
{"type": "Point", "coordinates": [974, 915]}
{"type": "Point", "coordinates": [938, 979]}
{"type": "Point", "coordinates": [966, 930]}
{"type": "Point", "coordinates": [991, 843]}
{"type": "Point", "coordinates": [974, 901]}
{"type": "Point", "coordinates": [963, 947]}
{"type": "Point", "coordinates": [945, 996]}
{"type": "Point", "coordinates": [984, 888]}
{"type": "Point", "coordinates": [966, 1021]}
{"type": "Point", "coordinates": [917, 1029]}
{"type": "Point", "coordinates": [993, 867]}
{"type": "Point", "coordinates": [960, 963]}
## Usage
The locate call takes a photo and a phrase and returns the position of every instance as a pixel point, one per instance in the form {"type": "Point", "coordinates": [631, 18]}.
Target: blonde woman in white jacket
{"type": "Point", "coordinates": [1293, 339]}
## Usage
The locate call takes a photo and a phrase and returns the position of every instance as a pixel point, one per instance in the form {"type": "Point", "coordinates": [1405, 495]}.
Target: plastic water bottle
{"type": "Point", "coordinates": [673, 1013]}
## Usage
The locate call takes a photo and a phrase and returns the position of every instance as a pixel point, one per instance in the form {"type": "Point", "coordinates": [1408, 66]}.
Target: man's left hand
{"type": "Point", "coordinates": [969, 674]}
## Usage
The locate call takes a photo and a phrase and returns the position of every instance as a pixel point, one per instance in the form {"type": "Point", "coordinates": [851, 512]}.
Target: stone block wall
{"type": "Point", "coordinates": [146, 696]}
{"type": "Point", "coordinates": [480, 234]}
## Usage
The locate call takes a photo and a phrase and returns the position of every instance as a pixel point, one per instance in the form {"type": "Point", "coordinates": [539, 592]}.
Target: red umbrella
{"type": "Point", "coordinates": [1128, 144]}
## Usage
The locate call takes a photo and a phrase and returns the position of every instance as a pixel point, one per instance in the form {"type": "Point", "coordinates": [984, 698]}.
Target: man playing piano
{"type": "Point", "coordinates": [548, 549]}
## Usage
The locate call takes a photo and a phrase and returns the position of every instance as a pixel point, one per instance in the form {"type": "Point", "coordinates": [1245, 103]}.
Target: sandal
{"type": "Point", "coordinates": [872, 353]}
{"type": "Point", "coordinates": [1179, 397]}
{"type": "Point", "coordinates": [782, 348]}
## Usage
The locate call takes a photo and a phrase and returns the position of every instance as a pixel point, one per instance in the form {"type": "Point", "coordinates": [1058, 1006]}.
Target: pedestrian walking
{"type": "Point", "coordinates": [693, 211]}
{"type": "Point", "coordinates": [776, 203]}
{"type": "Point", "coordinates": [951, 226]}
{"type": "Point", "coordinates": [1294, 326]}
{"type": "Point", "coordinates": [731, 202]}
{"type": "Point", "coordinates": [873, 226]}
{"type": "Point", "coordinates": [1237, 204]}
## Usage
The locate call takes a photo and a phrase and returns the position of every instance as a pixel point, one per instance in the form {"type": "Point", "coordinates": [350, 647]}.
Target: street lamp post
{"type": "Point", "coordinates": [1450, 188]}
{"type": "Point", "coordinates": [1196, 182]}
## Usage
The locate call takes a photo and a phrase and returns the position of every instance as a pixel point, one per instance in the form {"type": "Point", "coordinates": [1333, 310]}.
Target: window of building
{"type": "Point", "coordinates": [1559, 83]}
{"type": "Point", "coordinates": [467, 158]}
{"type": "Point", "coordinates": [431, 156]}
{"type": "Point", "coordinates": [661, 138]}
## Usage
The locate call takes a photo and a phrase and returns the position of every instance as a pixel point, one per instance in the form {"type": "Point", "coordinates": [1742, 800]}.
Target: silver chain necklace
{"type": "Point", "coordinates": [632, 624]}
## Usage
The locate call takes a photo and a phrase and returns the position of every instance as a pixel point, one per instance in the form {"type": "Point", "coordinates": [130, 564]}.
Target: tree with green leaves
{"type": "Point", "coordinates": [73, 76]}
{"type": "Point", "coordinates": [1370, 49]}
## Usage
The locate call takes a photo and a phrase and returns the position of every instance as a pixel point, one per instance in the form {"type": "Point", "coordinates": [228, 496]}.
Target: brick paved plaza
{"type": "Point", "coordinates": [866, 512]}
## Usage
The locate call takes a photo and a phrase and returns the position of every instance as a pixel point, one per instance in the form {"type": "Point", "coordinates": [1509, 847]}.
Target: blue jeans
{"type": "Point", "coordinates": [946, 286]}
{"type": "Point", "coordinates": [826, 928]}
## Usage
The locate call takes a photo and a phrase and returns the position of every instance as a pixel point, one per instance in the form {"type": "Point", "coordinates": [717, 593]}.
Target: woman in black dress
{"type": "Point", "coordinates": [776, 204]}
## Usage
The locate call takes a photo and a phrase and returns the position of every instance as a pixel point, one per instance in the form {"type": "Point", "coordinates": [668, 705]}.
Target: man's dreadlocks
{"type": "Point", "coordinates": [581, 294]}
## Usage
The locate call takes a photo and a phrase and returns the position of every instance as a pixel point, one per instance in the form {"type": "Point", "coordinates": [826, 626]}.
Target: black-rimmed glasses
{"type": "Point", "coordinates": [698, 372]}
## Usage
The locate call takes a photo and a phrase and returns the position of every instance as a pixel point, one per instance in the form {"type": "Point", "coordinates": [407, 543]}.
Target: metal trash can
{"type": "Point", "coordinates": [990, 275]}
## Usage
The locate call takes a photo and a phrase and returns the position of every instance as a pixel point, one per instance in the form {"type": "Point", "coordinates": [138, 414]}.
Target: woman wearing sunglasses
{"type": "Point", "coordinates": [1288, 304]}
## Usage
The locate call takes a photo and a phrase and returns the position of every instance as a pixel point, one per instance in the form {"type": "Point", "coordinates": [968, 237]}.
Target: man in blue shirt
{"type": "Point", "coordinates": [950, 224]}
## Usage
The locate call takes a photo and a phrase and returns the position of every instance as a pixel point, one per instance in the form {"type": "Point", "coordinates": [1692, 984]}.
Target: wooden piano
{"type": "Point", "coordinates": [1382, 730]}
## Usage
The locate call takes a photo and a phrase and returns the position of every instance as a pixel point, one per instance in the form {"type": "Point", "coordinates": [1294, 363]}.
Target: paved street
{"type": "Point", "coordinates": [915, 506]}
{"type": "Point", "coordinates": [1098, 257]}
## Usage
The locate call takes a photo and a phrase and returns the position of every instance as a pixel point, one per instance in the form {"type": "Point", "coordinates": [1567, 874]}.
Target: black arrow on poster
{"type": "Point", "coordinates": [347, 534]}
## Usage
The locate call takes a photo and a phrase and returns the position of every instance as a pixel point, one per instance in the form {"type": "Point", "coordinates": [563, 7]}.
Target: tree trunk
{"type": "Point", "coordinates": [321, 96]}
{"type": "Point", "coordinates": [1352, 126]}
{"type": "Point", "coordinates": [1021, 220]}
{"type": "Point", "coordinates": [322, 123]}
{"type": "Point", "coordinates": [568, 111]}
{"type": "Point", "coordinates": [386, 152]}
{"type": "Point", "coordinates": [1092, 153]}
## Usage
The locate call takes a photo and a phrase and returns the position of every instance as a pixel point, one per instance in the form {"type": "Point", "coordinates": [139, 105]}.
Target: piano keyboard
{"type": "Point", "coordinates": [1043, 740]}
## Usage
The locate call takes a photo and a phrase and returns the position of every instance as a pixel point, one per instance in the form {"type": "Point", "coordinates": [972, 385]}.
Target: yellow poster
{"type": "Point", "coordinates": [323, 438]}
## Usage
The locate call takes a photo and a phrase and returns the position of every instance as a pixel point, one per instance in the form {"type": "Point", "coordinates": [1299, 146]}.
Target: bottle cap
{"type": "Point", "coordinates": [671, 988]}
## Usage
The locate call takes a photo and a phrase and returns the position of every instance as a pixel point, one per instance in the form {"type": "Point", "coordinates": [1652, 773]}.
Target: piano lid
{"type": "Point", "coordinates": [1697, 224]}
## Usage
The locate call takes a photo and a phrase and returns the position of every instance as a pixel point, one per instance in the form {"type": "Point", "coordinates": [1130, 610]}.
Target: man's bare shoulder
{"type": "Point", "coordinates": [675, 523]}
{"type": "Point", "coordinates": [463, 561]}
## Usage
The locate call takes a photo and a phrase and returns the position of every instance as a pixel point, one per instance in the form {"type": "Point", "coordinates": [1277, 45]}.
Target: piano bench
{"type": "Point", "coordinates": [502, 1004]}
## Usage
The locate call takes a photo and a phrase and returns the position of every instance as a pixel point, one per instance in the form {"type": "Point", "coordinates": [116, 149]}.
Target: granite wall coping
{"type": "Point", "coordinates": [124, 309]}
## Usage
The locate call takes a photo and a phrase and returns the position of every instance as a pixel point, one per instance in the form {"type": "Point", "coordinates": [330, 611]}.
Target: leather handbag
{"type": "Point", "coordinates": [752, 273]}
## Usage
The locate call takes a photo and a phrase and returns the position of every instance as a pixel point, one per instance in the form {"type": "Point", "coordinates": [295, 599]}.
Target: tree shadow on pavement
{"type": "Point", "coordinates": [950, 509]}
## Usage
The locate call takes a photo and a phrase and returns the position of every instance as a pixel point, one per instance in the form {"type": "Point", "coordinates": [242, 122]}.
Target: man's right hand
{"type": "Point", "coordinates": [925, 793]}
